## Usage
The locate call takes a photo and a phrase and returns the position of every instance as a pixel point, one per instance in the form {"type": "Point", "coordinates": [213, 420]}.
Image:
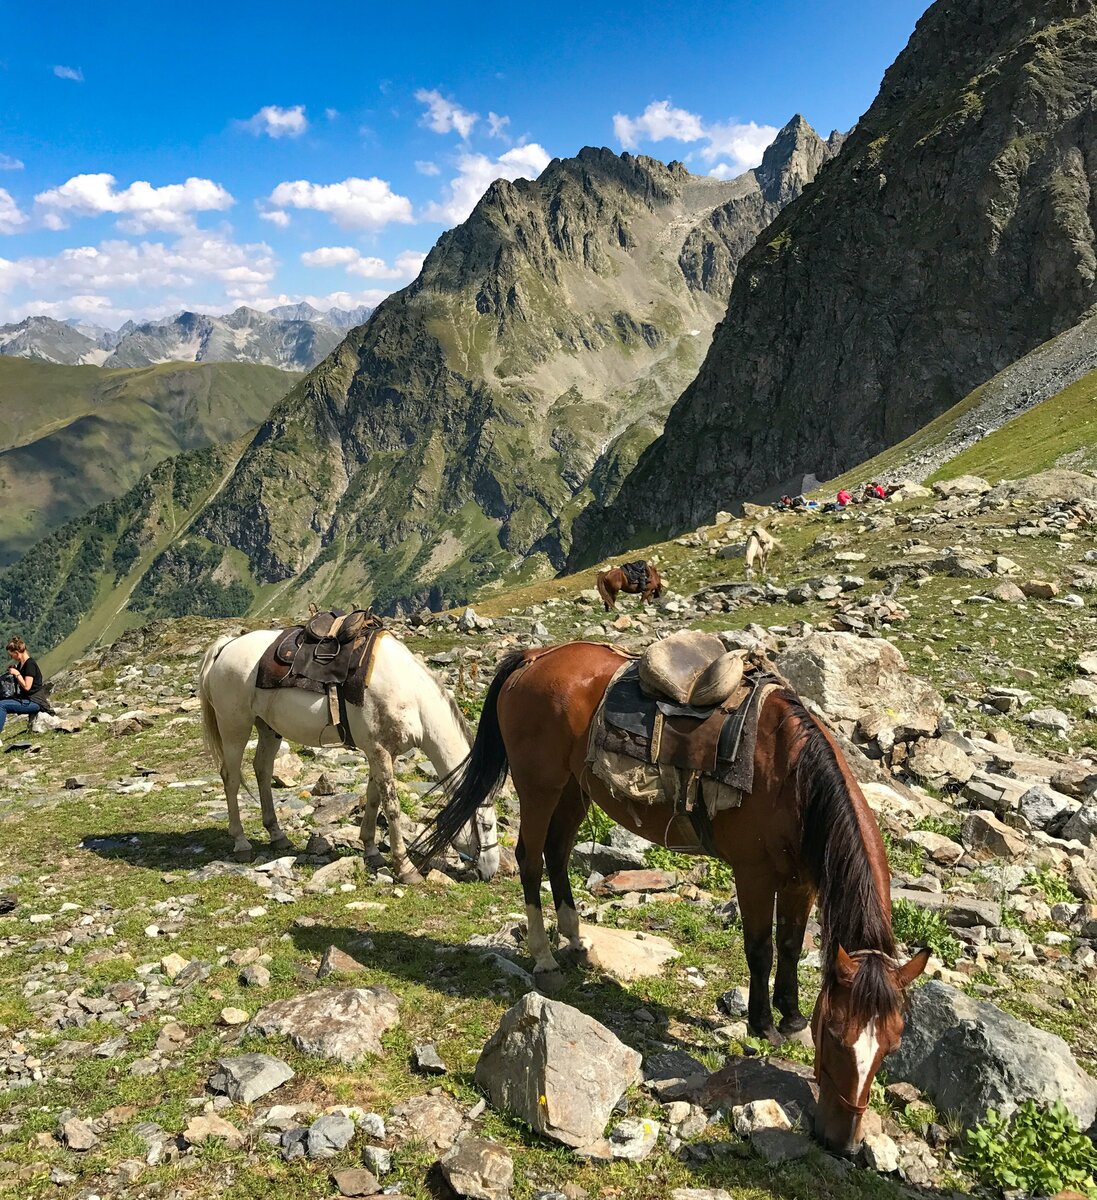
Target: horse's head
{"type": "Point", "coordinates": [858, 1021]}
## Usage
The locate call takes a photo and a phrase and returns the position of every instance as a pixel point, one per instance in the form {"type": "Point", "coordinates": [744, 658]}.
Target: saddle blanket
{"type": "Point", "coordinates": [636, 574]}
{"type": "Point", "coordinates": [654, 751]}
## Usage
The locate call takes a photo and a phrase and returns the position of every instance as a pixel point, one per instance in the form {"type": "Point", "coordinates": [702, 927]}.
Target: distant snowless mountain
{"type": "Point", "coordinates": [294, 337]}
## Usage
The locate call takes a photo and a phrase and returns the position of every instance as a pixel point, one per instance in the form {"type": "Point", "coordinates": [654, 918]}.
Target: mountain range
{"type": "Point", "coordinates": [456, 435]}
{"type": "Point", "coordinates": [292, 337]}
{"type": "Point", "coordinates": [954, 233]}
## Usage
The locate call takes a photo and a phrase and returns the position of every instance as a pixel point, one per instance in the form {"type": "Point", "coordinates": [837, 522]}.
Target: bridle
{"type": "Point", "coordinates": [821, 1071]}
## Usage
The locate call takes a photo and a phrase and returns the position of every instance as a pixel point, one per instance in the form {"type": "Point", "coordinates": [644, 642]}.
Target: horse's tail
{"type": "Point", "coordinates": [476, 780]}
{"type": "Point", "coordinates": [603, 589]}
{"type": "Point", "coordinates": [211, 734]}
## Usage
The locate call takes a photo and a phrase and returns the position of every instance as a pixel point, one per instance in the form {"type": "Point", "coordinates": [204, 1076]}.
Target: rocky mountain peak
{"type": "Point", "coordinates": [791, 161]}
{"type": "Point", "coordinates": [952, 234]}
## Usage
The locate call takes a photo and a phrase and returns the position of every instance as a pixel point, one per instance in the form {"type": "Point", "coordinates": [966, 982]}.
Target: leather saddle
{"type": "Point", "coordinates": [690, 705]}
{"type": "Point", "coordinates": [332, 655]}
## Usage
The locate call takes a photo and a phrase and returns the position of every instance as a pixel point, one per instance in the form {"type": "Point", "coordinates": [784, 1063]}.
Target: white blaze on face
{"type": "Point", "coordinates": [865, 1049]}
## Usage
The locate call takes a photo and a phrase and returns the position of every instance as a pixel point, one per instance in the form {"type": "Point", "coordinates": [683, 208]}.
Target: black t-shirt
{"type": "Point", "coordinates": [34, 671]}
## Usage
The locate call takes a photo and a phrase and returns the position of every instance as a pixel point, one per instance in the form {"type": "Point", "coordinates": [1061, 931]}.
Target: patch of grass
{"type": "Point", "coordinates": [1051, 884]}
{"type": "Point", "coordinates": [949, 829]}
{"type": "Point", "coordinates": [923, 927]}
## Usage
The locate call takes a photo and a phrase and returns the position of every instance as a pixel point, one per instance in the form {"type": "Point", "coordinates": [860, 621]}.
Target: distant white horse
{"type": "Point", "coordinates": [760, 544]}
{"type": "Point", "coordinates": [405, 707]}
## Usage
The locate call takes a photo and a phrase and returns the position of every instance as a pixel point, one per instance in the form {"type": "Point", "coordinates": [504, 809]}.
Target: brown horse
{"type": "Point", "coordinates": [804, 832]}
{"type": "Point", "coordinates": [643, 580]}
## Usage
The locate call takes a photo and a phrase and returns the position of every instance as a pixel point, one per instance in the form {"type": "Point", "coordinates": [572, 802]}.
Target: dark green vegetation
{"type": "Point", "coordinates": [72, 437]}
{"type": "Point", "coordinates": [1038, 1151]}
{"type": "Point", "coordinates": [88, 579]}
{"type": "Point", "coordinates": [950, 236]}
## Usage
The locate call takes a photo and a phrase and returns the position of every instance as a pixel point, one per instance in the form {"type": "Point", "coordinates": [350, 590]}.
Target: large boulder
{"type": "Point", "coordinates": [340, 1023]}
{"type": "Point", "coordinates": [969, 1056]}
{"type": "Point", "coordinates": [557, 1069]}
{"type": "Point", "coordinates": [854, 678]}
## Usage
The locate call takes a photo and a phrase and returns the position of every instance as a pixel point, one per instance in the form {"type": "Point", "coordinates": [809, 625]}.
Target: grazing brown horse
{"type": "Point", "coordinates": [804, 833]}
{"type": "Point", "coordinates": [638, 578]}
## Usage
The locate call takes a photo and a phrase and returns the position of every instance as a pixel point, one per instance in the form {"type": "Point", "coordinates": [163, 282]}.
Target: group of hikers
{"type": "Point", "coordinates": [22, 689]}
{"type": "Point", "coordinates": [870, 493]}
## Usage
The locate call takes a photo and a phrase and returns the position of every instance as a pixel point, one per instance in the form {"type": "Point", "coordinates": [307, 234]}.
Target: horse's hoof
{"type": "Point", "coordinates": [549, 982]}
{"type": "Point", "coordinates": [374, 861]}
{"type": "Point", "coordinates": [409, 874]}
{"type": "Point", "coordinates": [579, 955]}
{"type": "Point", "coordinates": [281, 843]}
{"type": "Point", "coordinates": [793, 1024]}
{"type": "Point", "coordinates": [243, 853]}
{"type": "Point", "coordinates": [768, 1034]}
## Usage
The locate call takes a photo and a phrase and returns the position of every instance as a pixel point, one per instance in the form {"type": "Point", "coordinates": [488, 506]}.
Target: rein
{"type": "Point", "coordinates": [856, 1109]}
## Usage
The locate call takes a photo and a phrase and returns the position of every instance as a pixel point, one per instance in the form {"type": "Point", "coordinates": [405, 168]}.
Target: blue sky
{"type": "Point", "coordinates": [157, 157]}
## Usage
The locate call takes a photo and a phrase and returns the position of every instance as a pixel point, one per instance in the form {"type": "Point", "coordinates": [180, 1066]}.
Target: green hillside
{"type": "Point", "coordinates": [72, 437]}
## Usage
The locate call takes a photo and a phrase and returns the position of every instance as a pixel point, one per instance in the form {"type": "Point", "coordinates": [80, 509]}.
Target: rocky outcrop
{"type": "Point", "coordinates": [968, 1056]}
{"type": "Point", "coordinates": [952, 235]}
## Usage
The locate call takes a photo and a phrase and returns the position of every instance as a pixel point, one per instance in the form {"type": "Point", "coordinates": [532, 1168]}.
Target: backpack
{"type": "Point", "coordinates": [9, 689]}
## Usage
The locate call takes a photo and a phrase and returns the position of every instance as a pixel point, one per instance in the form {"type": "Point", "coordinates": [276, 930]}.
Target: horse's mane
{"type": "Point", "coordinates": [851, 912]}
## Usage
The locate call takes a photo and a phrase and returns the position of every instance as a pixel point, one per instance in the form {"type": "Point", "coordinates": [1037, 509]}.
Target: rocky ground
{"type": "Point", "coordinates": [176, 1024]}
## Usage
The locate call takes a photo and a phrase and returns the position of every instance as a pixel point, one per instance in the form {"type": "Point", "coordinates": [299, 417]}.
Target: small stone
{"type": "Point", "coordinates": [881, 1153]}
{"type": "Point", "coordinates": [1040, 589]}
{"type": "Point", "coordinates": [172, 965]}
{"type": "Point", "coordinates": [255, 975]}
{"type": "Point", "coordinates": [336, 961]}
{"type": "Point", "coordinates": [248, 1076]}
{"type": "Point", "coordinates": [427, 1060]}
{"type": "Point", "coordinates": [478, 1169]}
{"type": "Point", "coordinates": [634, 1138]}
{"type": "Point", "coordinates": [209, 1125]}
{"type": "Point", "coordinates": [329, 1134]}
{"type": "Point", "coordinates": [233, 1016]}
{"type": "Point", "coordinates": [378, 1159]}
{"type": "Point", "coordinates": [78, 1135]}
{"type": "Point", "coordinates": [355, 1181]}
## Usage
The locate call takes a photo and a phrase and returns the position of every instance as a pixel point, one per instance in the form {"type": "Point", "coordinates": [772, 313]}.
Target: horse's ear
{"type": "Point", "coordinates": [845, 967]}
{"type": "Point", "coordinates": [910, 971]}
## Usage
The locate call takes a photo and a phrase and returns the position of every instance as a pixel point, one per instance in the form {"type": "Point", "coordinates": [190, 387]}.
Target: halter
{"type": "Point", "coordinates": [820, 1070]}
{"type": "Point", "coordinates": [857, 1109]}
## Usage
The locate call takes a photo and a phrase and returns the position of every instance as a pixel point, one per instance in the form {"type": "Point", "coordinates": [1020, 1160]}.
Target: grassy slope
{"type": "Point", "coordinates": [71, 437]}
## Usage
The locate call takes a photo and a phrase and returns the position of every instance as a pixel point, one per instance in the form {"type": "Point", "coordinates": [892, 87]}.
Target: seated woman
{"type": "Point", "coordinates": [30, 697]}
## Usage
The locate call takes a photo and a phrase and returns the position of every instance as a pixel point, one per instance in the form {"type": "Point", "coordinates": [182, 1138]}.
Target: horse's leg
{"type": "Point", "coordinates": [538, 801]}
{"type": "Point", "coordinates": [793, 906]}
{"type": "Point", "coordinates": [265, 753]}
{"type": "Point", "coordinates": [756, 892]}
{"type": "Point", "coordinates": [380, 768]}
{"type": "Point", "coordinates": [562, 832]}
{"type": "Point", "coordinates": [370, 852]}
{"type": "Point", "coordinates": [232, 756]}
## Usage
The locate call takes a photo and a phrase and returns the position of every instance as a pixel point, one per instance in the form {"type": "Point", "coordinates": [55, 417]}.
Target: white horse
{"type": "Point", "coordinates": [760, 544]}
{"type": "Point", "coordinates": [405, 707]}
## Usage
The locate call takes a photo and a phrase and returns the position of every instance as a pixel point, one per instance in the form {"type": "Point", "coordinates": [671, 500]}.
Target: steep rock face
{"type": "Point", "coordinates": [51, 341]}
{"type": "Point", "coordinates": [454, 435]}
{"type": "Point", "coordinates": [954, 232]}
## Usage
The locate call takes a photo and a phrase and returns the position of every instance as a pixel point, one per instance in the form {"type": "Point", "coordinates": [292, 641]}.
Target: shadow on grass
{"type": "Point", "coordinates": [168, 849]}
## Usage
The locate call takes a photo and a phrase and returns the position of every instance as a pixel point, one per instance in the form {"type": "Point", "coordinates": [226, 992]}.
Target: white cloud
{"type": "Point", "coordinates": [276, 217]}
{"type": "Point", "coordinates": [445, 116]}
{"type": "Point", "coordinates": [476, 172]}
{"type": "Point", "coordinates": [330, 256]}
{"type": "Point", "coordinates": [742, 143]}
{"type": "Point", "coordinates": [406, 265]}
{"type": "Point", "coordinates": [7, 163]}
{"type": "Point", "coordinates": [497, 125]}
{"type": "Point", "coordinates": [340, 299]}
{"type": "Point", "coordinates": [331, 113]}
{"type": "Point", "coordinates": [140, 206]}
{"type": "Point", "coordinates": [278, 122]}
{"type": "Point", "coordinates": [195, 258]}
{"type": "Point", "coordinates": [657, 122]}
{"type": "Point", "coordinates": [73, 73]}
{"type": "Point", "coordinates": [427, 168]}
{"type": "Point", "coordinates": [352, 204]}
{"type": "Point", "coordinates": [11, 219]}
